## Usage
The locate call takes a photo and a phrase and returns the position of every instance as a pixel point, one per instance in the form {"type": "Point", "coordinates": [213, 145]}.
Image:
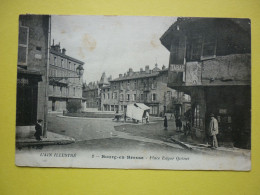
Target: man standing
{"type": "Point", "coordinates": [213, 130]}
{"type": "Point", "coordinates": [38, 129]}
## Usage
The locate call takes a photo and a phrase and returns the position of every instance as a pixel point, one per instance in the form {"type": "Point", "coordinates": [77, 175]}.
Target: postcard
{"type": "Point", "coordinates": [134, 92]}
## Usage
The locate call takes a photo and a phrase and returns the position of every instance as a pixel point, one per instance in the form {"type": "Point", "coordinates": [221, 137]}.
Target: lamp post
{"type": "Point", "coordinates": [79, 71]}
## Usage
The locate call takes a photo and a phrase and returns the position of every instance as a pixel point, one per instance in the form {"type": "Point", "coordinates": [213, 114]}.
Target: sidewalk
{"type": "Point", "coordinates": [51, 139]}
{"type": "Point", "coordinates": [188, 143]}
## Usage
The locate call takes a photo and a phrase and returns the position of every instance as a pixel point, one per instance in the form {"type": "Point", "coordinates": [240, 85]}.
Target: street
{"type": "Point", "coordinates": [101, 134]}
{"type": "Point", "coordinates": [106, 141]}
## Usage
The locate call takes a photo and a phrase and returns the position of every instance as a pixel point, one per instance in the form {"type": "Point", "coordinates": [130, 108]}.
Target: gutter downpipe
{"type": "Point", "coordinates": [47, 81]}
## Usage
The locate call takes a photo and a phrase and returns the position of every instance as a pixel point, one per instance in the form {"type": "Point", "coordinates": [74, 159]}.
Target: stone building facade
{"type": "Point", "coordinates": [145, 86]}
{"type": "Point", "coordinates": [210, 59]}
{"type": "Point", "coordinates": [32, 72]}
{"type": "Point", "coordinates": [62, 90]}
{"type": "Point", "coordinates": [91, 93]}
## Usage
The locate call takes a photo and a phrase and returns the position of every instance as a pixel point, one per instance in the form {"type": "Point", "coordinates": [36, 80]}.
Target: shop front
{"type": "Point", "coordinates": [230, 106]}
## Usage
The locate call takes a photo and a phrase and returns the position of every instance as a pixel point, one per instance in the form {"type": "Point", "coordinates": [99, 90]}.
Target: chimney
{"type": "Point", "coordinates": [120, 75]}
{"type": "Point", "coordinates": [124, 74]}
{"type": "Point", "coordinates": [147, 69]}
{"type": "Point", "coordinates": [64, 51]}
{"type": "Point", "coordinates": [141, 70]}
{"type": "Point", "coordinates": [130, 71]}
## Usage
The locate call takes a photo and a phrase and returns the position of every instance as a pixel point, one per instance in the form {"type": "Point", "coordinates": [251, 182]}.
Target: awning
{"type": "Point", "coordinates": [142, 106]}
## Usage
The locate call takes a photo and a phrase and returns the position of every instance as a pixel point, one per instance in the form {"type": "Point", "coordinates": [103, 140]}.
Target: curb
{"type": "Point", "coordinates": [20, 144]}
{"type": "Point", "coordinates": [181, 143]}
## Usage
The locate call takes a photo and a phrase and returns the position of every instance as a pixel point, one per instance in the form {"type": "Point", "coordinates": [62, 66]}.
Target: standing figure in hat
{"type": "Point", "coordinates": [165, 122]}
{"type": "Point", "coordinates": [213, 130]}
{"type": "Point", "coordinates": [38, 129]}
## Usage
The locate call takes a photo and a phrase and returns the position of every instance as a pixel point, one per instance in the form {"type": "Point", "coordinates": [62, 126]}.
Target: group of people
{"type": "Point", "coordinates": [212, 130]}
{"type": "Point", "coordinates": [178, 123]}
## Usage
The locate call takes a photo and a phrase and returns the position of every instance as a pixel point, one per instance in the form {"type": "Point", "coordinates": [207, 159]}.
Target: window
{"type": "Point", "coordinates": [154, 97]}
{"type": "Point", "coordinates": [134, 97]}
{"type": "Point", "coordinates": [145, 96]}
{"type": "Point", "coordinates": [135, 84]}
{"type": "Point", "coordinates": [62, 63]}
{"type": "Point", "coordinates": [55, 61]}
{"type": "Point", "coordinates": [53, 88]}
{"type": "Point", "coordinates": [121, 97]}
{"type": "Point", "coordinates": [74, 68]}
{"type": "Point", "coordinates": [209, 48]}
{"type": "Point", "coordinates": [197, 117]}
{"type": "Point", "coordinates": [23, 45]}
{"type": "Point", "coordinates": [128, 97]}
{"type": "Point", "coordinates": [142, 96]}
{"type": "Point", "coordinates": [104, 96]}
{"type": "Point", "coordinates": [69, 66]}
{"type": "Point", "coordinates": [196, 47]}
{"type": "Point", "coordinates": [122, 107]}
{"type": "Point", "coordinates": [74, 91]}
{"type": "Point", "coordinates": [112, 108]}
{"type": "Point", "coordinates": [108, 96]}
{"type": "Point", "coordinates": [115, 95]}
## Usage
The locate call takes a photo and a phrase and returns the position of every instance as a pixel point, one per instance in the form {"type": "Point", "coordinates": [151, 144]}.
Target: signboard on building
{"type": "Point", "coordinates": [177, 67]}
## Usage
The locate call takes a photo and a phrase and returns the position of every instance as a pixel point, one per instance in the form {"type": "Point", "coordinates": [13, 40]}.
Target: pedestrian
{"type": "Point", "coordinates": [38, 129]}
{"type": "Point", "coordinates": [165, 123]}
{"type": "Point", "coordinates": [147, 117]}
{"type": "Point", "coordinates": [178, 123]}
{"type": "Point", "coordinates": [213, 130]}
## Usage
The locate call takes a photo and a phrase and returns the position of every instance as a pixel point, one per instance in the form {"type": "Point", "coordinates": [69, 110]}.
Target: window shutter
{"type": "Point", "coordinates": [23, 45]}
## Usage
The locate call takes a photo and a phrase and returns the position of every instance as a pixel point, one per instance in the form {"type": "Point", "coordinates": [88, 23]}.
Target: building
{"type": "Point", "coordinates": [210, 59]}
{"type": "Point", "coordinates": [65, 84]}
{"type": "Point", "coordinates": [144, 86]}
{"type": "Point", "coordinates": [91, 93]}
{"type": "Point", "coordinates": [32, 72]}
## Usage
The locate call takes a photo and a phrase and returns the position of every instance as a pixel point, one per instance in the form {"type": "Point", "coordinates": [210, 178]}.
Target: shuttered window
{"type": "Point", "coordinates": [23, 45]}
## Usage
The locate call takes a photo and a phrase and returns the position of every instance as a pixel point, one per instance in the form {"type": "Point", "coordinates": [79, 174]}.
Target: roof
{"type": "Point", "coordinates": [184, 23]}
{"type": "Point", "coordinates": [136, 76]}
{"type": "Point", "coordinates": [142, 106]}
{"type": "Point", "coordinates": [65, 56]}
{"type": "Point", "coordinates": [103, 79]}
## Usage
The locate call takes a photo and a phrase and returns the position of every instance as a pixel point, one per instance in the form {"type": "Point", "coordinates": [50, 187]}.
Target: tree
{"type": "Point", "coordinates": [73, 106]}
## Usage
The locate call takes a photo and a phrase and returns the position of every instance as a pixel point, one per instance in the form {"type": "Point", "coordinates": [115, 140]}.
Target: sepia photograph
{"type": "Point", "coordinates": [133, 92]}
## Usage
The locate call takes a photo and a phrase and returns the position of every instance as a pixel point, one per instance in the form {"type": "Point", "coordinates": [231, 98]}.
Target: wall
{"type": "Point", "coordinates": [235, 67]}
{"type": "Point", "coordinates": [37, 59]}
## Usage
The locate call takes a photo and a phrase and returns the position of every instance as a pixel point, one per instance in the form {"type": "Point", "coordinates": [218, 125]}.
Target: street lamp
{"type": "Point", "coordinates": [79, 71]}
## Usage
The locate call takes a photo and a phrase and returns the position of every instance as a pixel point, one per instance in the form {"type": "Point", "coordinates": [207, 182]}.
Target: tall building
{"type": "Point", "coordinates": [210, 59]}
{"type": "Point", "coordinates": [144, 86]}
{"type": "Point", "coordinates": [65, 84]}
{"type": "Point", "coordinates": [32, 77]}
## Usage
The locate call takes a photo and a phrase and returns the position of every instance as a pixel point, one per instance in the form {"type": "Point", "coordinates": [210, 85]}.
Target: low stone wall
{"type": "Point", "coordinates": [92, 114]}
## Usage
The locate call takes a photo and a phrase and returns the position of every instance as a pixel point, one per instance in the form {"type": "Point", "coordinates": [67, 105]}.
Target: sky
{"type": "Point", "coordinates": [112, 44]}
